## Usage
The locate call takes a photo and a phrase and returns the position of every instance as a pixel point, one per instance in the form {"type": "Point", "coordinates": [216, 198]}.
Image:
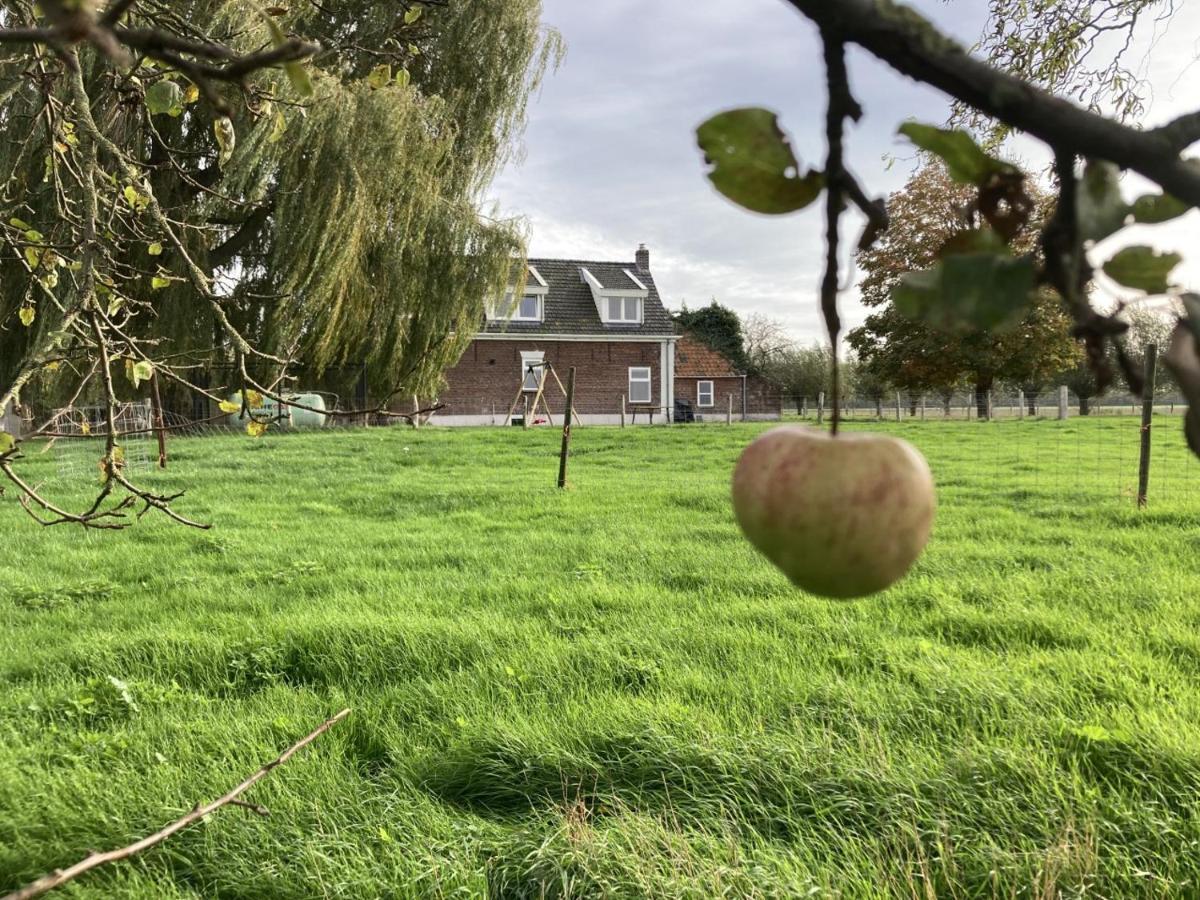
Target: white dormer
{"type": "Point", "coordinates": [624, 303]}
{"type": "Point", "coordinates": [530, 308]}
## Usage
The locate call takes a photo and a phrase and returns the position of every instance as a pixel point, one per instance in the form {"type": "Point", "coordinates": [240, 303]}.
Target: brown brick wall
{"type": "Point", "coordinates": [762, 398]}
{"type": "Point", "coordinates": [489, 372]}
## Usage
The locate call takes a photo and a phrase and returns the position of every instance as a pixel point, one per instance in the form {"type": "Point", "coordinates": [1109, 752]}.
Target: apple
{"type": "Point", "coordinates": [843, 516]}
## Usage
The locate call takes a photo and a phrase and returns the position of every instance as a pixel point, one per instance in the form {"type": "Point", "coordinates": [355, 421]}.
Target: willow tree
{"type": "Point", "coordinates": [210, 185]}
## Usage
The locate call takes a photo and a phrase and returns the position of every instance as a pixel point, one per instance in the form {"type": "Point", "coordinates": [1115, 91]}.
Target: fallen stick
{"type": "Point", "coordinates": [60, 877]}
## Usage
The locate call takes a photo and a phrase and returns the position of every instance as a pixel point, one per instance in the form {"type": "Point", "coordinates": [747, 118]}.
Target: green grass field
{"type": "Point", "coordinates": [605, 692]}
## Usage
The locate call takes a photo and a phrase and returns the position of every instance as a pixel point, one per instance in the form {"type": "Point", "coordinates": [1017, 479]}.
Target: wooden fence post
{"type": "Point", "coordinates": [622, 410]}
{"type": "Point", "coordinates": [897, 406]}
{"type": "Point", "coordinates": [729, 412]}
{"type": "Point", "coordinates": [989, 405]}
{"type": "Point", "coordinates": [525, 411]}
{"type": "Point", "coordinates": [493, 412]}
{"type": "Point", "coordinates": [804, 407]}
{"type": "Point", "coordinates": [566, 437]}
{"type": "Point", "coordinates": [820, 407]}
{"type": "Point", "coordinates": [922, 407]}
{"type": "Point", "coordinates": [1020, 404]}
{"type": "Point", "coordinates": [159, 426]}
{"type": "Point", "coordinates": [1064, 409]}
{"type": "Point", "coordinates": [1151, 364]}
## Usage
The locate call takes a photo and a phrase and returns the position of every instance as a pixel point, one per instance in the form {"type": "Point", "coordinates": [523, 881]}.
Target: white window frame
{"type": "Point", "coordinates": [624, 303]}
{"type": "Point", "coordinates": [527, 357]}
{"type": "Point", "coordinates": [647, 379]}
{"type": "Point", "coordinates": [700, 392]}
{"type": "Point", "coordinates": [509, 309]}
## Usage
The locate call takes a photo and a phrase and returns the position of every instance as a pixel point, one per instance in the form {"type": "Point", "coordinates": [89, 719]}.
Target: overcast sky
{"type": "Point", "coordinates": [611, 159]}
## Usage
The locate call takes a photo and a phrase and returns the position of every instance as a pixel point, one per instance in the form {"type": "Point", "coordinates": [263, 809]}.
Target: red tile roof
{"type": "Point", "coordinates": [694, 358]}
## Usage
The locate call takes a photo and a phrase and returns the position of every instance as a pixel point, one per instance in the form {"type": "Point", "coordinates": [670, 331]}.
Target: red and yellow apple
{"type": "Point", "coordinates": [843, 516]}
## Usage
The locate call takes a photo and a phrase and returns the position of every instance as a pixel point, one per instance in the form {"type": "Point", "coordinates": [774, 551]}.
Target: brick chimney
{"type": "Point", "coordinates": [643, 258]}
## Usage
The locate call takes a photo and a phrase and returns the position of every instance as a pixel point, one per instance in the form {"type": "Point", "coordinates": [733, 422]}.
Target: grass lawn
{"type": "Point", "coordinates": [605, 691]}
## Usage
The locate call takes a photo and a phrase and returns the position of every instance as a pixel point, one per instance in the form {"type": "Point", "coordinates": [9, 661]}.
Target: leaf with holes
{"type": "Point", "coordinates": [752, 162]}
{"type": "Point", "coordinates": [965, 160]}
{"type": "Point", "coordinates": [380, 76]}
{"type": "Point", "coordinates": [1142, 268]}
{"type": "Point", "coordinates": [987, 291]}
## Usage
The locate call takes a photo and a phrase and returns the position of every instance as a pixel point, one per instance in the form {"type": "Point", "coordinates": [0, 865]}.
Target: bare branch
{"type": "Point", "coordinates": [93, 860]}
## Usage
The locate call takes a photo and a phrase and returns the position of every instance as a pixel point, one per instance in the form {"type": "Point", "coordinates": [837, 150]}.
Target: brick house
{"type": "Point", "coordinates": [604, 318]}
{"type": "Point", "coordinates": [708, 386]}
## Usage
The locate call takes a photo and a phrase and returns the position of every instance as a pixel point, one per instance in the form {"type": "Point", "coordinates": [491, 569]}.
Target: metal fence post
{"type": "Point", "coordinates": [1151, 364]}
{"type": "Point", "coordinates": [1063, 400]}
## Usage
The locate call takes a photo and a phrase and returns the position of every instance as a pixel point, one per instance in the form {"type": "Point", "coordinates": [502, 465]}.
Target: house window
{"type": "Point", "coordinates": [625, 309]}
{"type": "Point", "coordinates": [529, 309]}
{"type": "Point", "coordinates": [639, 384]}
{"type": "Point", "coordinates": [704, 393]}
{"type": "Point", "coordinates": [532, 370]}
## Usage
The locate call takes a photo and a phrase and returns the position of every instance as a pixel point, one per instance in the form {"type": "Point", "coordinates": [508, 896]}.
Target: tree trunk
{"type": "Point", "coordinates": [879, 407]}
{"type": "Point", "coordinates": [1031, 403]}
{"type": "Point", "coordinates": [912, 405]}
{"type": "Point", "coordinates": [1085, 408]}
{"type": "Point", "coordinates": [981, 405]}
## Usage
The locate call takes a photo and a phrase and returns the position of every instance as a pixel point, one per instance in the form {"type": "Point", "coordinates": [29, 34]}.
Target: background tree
{"type": "Point", "coordinates": [719, 327]}
{"type": "Point", "coordinates": [930, 211]}
{"type": "Point", "coordinates": [801, 372]}
{"type": "Point", "coordinates": [764, 340]}
{"type": "Point", "coordinates": [181, 193]}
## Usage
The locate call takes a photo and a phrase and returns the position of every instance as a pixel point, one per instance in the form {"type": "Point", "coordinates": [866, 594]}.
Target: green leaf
{"type": "Point", "coordinates": [19, 223]}
{"type": "Point", "coordinates": [987, 291]}
{"type": "Point", "coordinates": [380, 75]}
{"type": "Point", "coordinates": [163, 96]}
{"type": "Point", "coordinates": [226, 139]}
{"type": "Point", "coordinates": [753, 163]}
{"type": "Point", "coordinates": [296, 72]}
{"type": "Point", "coordinates": [412, 15]}
{"type": "Point", "coordinates": [155, 249]}
{"type": "Point", "coordinates": [1100, 208]}
{"type": "Point", "coordinates": [965, 160]}
{"type": "Point", "coordinates": [158, 282]}
{"type": "Point", "coordinates": [7, 442]}
{"type": "Point", "coordinates": [33, 256]}
{"type": "Point", "coordinates": [142, 371]}
{"type": "Point", "coordinates": [34, 236]}
{"type": "Point", "coordinates": [1150, 209]}
{"type": "Point", "coordinates": [403, 77]}
{"type": "Point", "coordinates": [1143, 268]}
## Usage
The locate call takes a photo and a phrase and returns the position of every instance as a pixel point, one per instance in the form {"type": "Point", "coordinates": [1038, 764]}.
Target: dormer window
{"type": "Point", "coordinates": [528, 309]}
{"type": "Point", "coordinates": [625, 309]}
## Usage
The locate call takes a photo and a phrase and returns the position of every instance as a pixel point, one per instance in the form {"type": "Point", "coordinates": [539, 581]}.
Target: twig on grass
{"type": "Point", "coordinates": [60, 877]}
